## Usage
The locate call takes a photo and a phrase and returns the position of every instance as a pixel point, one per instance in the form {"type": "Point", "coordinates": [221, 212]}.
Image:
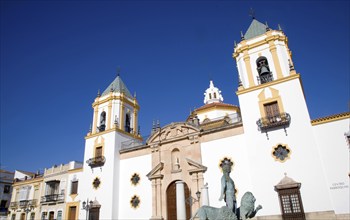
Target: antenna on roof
{"type": "Point", "coordinates": [252, 13]}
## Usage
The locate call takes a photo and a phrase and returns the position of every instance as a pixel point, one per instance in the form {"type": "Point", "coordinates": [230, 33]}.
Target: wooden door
{"type": "Point", "coordinates": [171, 201]}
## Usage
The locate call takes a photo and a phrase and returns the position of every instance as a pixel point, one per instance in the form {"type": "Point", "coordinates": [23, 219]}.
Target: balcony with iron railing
{"type": "Point", "coordinates": [23, 204]}
{"type": "Point", "coordinates": [275, 121]}
{"type": "Point", "coordinates": [52, 198]}
{"type": "Point", "coordinates": [96, 161]}
{"type": "Point", "coordinates": [13, 205]}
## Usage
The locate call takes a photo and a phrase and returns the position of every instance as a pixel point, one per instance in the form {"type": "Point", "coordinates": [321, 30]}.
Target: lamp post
{"type": "Point", "coordinates": [190, 200]}
{"type": "Point", "coordinates": [27, 210]}
{"type": "Point", "coordinates": [87, 206]}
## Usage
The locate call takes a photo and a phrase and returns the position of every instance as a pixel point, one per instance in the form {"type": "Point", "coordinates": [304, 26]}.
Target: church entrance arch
{"type": "Point", "coordinates": [171, 201]}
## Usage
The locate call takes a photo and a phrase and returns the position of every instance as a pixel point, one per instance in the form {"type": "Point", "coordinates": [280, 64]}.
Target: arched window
{"type": "Point", "coordinates": [262, 66]}
{"type": "Point", "coordinates": [214, 95]}
{"type": "Point", "coordinates": [102, 126]}
{"type": "Point", "coordinates": [127, 122]}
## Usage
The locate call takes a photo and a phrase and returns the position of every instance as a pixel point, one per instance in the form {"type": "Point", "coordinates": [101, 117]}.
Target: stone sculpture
{"type": "Point", "coordinates": [247, 209]}
{"type": "Point", "coordinates": [211, 213]}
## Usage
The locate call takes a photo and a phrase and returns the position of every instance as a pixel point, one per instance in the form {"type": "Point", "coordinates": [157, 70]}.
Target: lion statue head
{"type": "Point", "coordinates": [246, 210]}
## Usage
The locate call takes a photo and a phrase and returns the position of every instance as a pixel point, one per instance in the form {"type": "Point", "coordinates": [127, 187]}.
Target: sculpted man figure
{"type": "Point", "coordinates": [228, 186]}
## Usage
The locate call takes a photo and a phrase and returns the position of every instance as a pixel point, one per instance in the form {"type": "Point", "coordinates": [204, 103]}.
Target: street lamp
{"type": "Point", "coordinates": [87, 206]}
{"type": "Point", "coordinates": [27, 210]}
{"type": "Point", "coordinates": [190, 200]}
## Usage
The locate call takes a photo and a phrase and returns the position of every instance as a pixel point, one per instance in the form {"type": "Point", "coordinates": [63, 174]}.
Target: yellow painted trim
{"type": "Point", "coordinates": [246, 46]}
{"type": "Point", "coordinates": [275, 98]}
{"type": "Point", "coordinates": [112, 130]}
{"type": "Point", "coordinates": [99, 144]}
{"type": "Point", "coordinates": [73, 196]}
{"type": "Point", "coordinates": [120, 97]}
{"type": "Point", "coordinates": [95, 119]}
{"type": "Point", "coordinates": [71, 204]}
{"type": "Point", "coordinates": [76, 170]}
{"type": "Point", "coordinates": [330, 118]}
{"type": "Point", "coordinates": [275, 82]}
{"type": "Point", "coordinates": [26, 182]}
{"type": "Point", "coordinates": [277, 159]}
{"type": "Point", "coordinates": [135, 122]}
{"type": "Point", "coordinates": [246, 59]}
{"type": "Point", "coordinates": [276, 62]}
{"type": "Point", "coordinates": [109, 114]}
{"type": "Point", "coordinates": [203, 111]}
{"type": "Point", "coordinates": [121, 116]}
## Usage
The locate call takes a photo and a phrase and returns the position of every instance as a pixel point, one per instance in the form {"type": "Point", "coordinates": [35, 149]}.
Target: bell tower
{"type": "Point", "coordinates": [114, 122]}
{"type": "Point", "coordinates": [277, 126]}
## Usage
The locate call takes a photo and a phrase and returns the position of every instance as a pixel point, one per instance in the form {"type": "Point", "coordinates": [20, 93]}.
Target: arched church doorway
{"type": "Point", "coordinates": [171, 201]}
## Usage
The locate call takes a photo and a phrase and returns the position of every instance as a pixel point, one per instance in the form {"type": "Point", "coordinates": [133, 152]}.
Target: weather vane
{"type": "Point", "coordinates": [118, 70]}
{"type": "Point", "coordinates": [252, 13]}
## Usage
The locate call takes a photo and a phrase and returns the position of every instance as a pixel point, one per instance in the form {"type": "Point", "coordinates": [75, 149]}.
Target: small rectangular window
{"type": "Point", "coordinates": [13, 217]}
{"type": "Point", "coordinates": [74, 189]}
{"type": "Point", "coordinates": [3, 203]}
{"type": "Point", "coordinates": [7, 189]}
{"type": "Point", "coordinates": [98, 152]}
{"type": "Point", "coordinates": [271, 109]}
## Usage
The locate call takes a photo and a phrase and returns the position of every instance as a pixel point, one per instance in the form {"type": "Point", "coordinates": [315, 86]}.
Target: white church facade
{"type": "Point", "coordinates": [277, 151]}
{"type": "Point", "coordinates": [297, 168]}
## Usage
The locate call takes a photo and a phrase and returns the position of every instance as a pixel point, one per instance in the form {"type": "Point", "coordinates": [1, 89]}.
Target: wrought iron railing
{"type": "Point", "coordinates": [280, 120]}
{"type": "Point", "coordinates": [24, 203]}
{"type": "Point", "coordinates": [52, 198]}
{"type": "Point", "coordinates": [96, 161]}
{"type": "Point", "coordinates": [265, 78]}
{"type": "Point", "coordinates": [13, 205]}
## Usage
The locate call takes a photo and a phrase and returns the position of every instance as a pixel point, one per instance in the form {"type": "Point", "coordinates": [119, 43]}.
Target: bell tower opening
{"type": "Point", "coordinates": [263, 70]}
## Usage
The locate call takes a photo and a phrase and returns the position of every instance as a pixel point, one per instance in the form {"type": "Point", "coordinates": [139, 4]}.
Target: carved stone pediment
{"type": "Point", "coordinates": [155, 172]}
{"type": "Point", "coordinates": [173, 131]}
{"type": "Point", "coordinates": [195, 167]}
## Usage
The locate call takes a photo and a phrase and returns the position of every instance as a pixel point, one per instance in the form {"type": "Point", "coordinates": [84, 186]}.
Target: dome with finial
{"type": "Point", "coordinates": [212, 94]}
{"type": "Point", "coordinates": [214, 108]}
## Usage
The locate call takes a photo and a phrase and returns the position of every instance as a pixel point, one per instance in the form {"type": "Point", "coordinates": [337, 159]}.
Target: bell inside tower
{"type": "Point", "coordinates": [263, 69]}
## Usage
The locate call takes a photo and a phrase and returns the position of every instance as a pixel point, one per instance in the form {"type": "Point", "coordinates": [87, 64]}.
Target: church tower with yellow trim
{"type": "Point", "coordinates": [275, 116]}
{"type": "Point", "coordinates": [115, 114]}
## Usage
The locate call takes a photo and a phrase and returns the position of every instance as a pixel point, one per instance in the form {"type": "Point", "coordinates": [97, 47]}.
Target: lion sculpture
{"type": "Point", "coordinates": [245, 211]}
{"type": "Point", "coordinates": [211, 213]}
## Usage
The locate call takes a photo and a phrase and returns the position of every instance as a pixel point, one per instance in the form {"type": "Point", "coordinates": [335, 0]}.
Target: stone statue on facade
{"type": "Point", "coordinates": [247, 209]}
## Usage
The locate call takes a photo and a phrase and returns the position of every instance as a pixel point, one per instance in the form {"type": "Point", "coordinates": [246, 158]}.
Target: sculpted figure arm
{"type": "Point", "coordinates": [223, 188]}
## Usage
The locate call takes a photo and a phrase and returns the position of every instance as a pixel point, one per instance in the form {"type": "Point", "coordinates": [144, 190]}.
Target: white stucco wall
{"type": "Point", "coordinates": [334, 151]}
{"type": "Point", "coordinates": [107, 193]}
{"type": "Point", "coordinates": [304, 165]}
{"type": "Point", "coordinates": [140, 165]}
{"type": "Point", "coordinates": [213, 152]}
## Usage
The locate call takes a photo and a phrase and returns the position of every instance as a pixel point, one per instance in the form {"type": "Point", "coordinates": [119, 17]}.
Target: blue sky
{"type": "Point", "coordinates": [55, 55]}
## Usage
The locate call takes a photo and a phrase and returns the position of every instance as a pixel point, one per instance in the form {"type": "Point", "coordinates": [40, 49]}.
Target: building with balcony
{"type": "Point", "coordinates": [25, 200]}
{"type": "Point", "coordinates": [6, 180]}
{"type": "Point", "coordinates": [297, 168]}
{"type": "Point", "coordinates": [55, 190]}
